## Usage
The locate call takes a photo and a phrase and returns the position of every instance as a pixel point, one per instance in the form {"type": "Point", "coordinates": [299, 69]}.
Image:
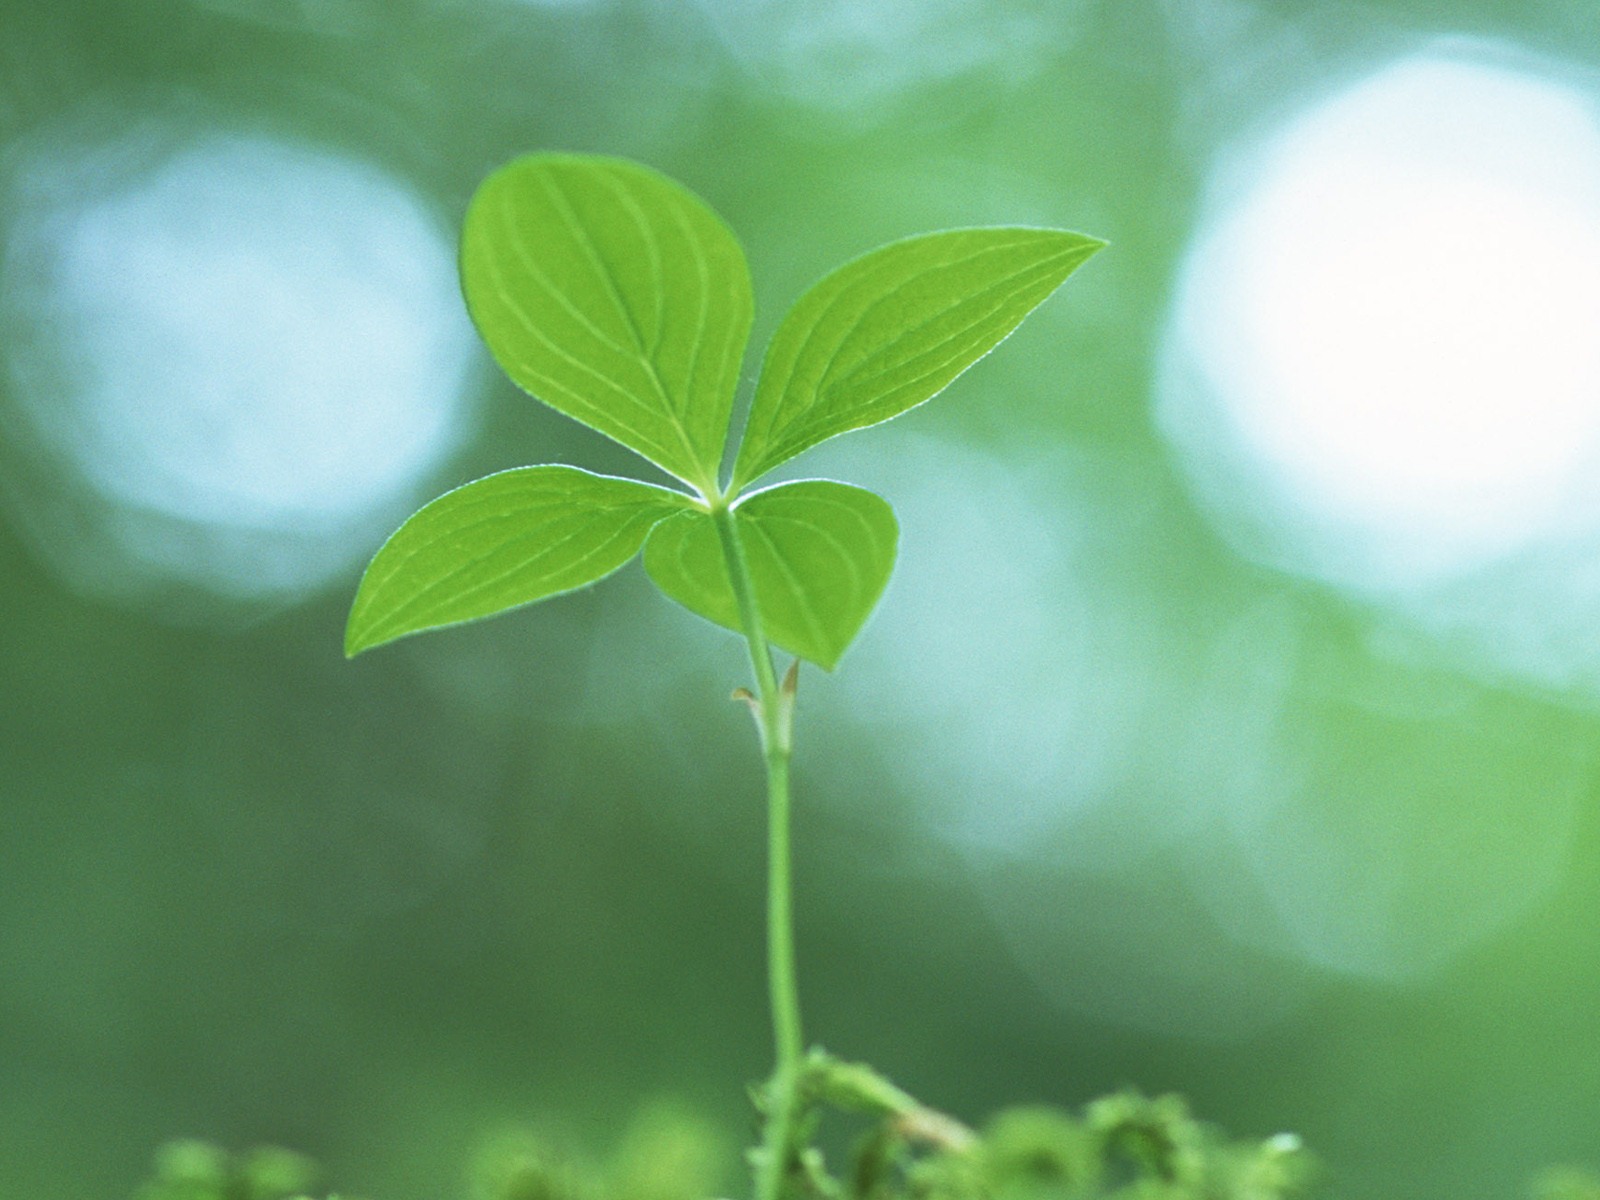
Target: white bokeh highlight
{"type": "Point", "coordinates": [248, 351]}
{"type": "Point", "coordinates": [1383, 369]}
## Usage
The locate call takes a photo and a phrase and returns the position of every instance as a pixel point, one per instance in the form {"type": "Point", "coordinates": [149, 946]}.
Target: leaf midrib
{"type": "Point", "coordinates": [596, 261]}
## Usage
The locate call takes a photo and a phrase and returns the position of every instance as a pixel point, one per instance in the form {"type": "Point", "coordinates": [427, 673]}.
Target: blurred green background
{"type": "Point", "coordinates": [1229, 726]}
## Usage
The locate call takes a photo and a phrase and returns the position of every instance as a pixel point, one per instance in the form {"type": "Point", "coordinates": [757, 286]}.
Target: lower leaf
{"type": "Point", "coordinates": [819, 555]}
{"type": "Point", "coordinates": [502, 541]}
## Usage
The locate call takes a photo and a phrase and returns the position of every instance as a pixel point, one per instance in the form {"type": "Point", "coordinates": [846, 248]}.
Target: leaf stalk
{"type": "Point", "coordinates": [774, 710]}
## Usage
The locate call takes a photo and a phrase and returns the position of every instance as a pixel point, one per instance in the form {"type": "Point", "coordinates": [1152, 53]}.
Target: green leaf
{"type": "Point", "coordinates": [819, 555]}
{"type": "Point", "coordinates": [501, 541]}
{"type": "Point", "coordinates": [890, 330]}
{"type": "Point", "coordinates": [615, 295]}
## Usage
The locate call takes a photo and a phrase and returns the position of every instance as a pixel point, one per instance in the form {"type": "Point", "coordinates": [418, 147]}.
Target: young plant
{"type": "Point", "coordinates": [616, 296]}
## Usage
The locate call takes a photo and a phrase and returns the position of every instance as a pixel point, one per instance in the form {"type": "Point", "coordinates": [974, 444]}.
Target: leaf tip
{"type": "Point", "coordinates": [354, 642]}
{"type": "Point", "coordinates": [361, 632]}
{"type": "Point", "coordinates": [1082, 246]}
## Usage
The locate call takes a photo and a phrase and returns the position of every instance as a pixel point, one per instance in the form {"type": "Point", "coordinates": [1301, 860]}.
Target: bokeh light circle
{"type": "Point", "coordinates": [1382, 361]}
{"type": "Point", "coordinates": [240, 355]}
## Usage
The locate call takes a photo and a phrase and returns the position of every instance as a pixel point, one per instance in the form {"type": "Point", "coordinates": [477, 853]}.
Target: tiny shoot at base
{"type": "Point", "coordinates": [618, 297]}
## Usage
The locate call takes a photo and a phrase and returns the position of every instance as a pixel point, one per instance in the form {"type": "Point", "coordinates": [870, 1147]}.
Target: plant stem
{"type": "Point", "coordinates": [781, 976]}
{"type": "Point", "coordinates": [774, 708]}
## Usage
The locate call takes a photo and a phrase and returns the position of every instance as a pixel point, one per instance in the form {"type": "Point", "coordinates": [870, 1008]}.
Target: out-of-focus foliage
{"type": "Point", "coordinates": [1125, 1146]}
{"type": "Point", "coordinates": [664, 1153]}
{"type": "Point", "coordinates": [193, 1170]}
{"type": "Point", "coordinates": [1122, 1147]}
{"type": "Point", "coordinates": [1567, 1183]}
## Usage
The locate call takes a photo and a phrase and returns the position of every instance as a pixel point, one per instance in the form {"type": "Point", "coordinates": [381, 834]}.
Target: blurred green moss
{"type": "Point", "coordinates": [1567, 1183]}
{"type": "Point", "coordinates": [667, 1152]}
{"type": "Point", "coordinates": [195, 1170]}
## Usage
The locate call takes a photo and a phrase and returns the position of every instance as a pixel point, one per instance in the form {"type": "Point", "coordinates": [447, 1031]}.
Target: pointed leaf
{"type": "Point", "coordinates": [504, 540]}
{"type": "Point", "coordinates": [890, 330]}
{"type": "Point", "coordinates": [615, 295]}
{"type": "Point", "coordinates": [819, 555]}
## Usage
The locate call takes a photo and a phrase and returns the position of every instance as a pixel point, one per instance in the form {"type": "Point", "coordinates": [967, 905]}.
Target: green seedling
{"type": "Point", "coordinates": [616, 296]}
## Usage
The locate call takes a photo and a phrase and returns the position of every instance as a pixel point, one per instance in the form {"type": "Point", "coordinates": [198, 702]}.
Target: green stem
{"type": "Point", "coordinates": [774, 709]}
{"type": "Point", "coordinates": [781, 976]}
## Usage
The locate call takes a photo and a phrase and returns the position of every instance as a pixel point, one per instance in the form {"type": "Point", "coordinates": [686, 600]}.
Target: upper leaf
{"type": "Point", "coordinates": [501, 541]}
{"type": "Point", "coordinates": [615, 295]}
{"type": "Point", "coordinates": [891, 329]}
{"type": "Point", "coordinates": [819, 555]}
